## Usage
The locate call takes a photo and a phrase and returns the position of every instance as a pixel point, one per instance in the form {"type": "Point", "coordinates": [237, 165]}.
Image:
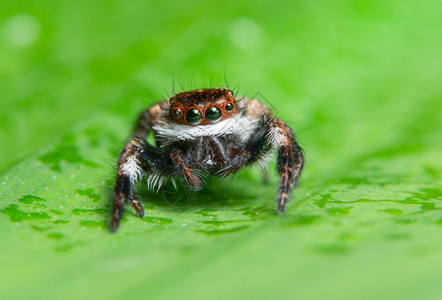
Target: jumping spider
{"type": "Point", "coordinates": [204, 131]}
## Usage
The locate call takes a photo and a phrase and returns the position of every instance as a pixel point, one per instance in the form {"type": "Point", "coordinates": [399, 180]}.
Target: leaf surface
{"type": "Point", "coordinates": [358, 82]}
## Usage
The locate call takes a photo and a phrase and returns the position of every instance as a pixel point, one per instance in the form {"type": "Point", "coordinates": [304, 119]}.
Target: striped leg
{"type": "Point", "coordinates": [138, 159]}
{"type": "Point", "coordinates": [290, 160]}
{"type": "Point", "coordinates": [128, 173]}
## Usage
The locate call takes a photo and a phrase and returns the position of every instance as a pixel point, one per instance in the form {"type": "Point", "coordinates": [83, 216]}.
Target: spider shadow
{"type": "Point", "coordinates": [217, 194]}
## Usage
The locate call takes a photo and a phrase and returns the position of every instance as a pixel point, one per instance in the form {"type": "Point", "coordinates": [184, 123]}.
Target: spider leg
{"type": "Point", "coordinates": [138, 159]}
{"type": "Point", "coordinates": [290, 160]}
{"type": "Point", "coordinates": [235, 164]}
{"type": "Point", "coordinates": [146, 119]}
{"type": "Point", "coordinates": [192, 179]}
{"type": "Point", "coordinates": [256, 148]}
{"type": "Point", "coordinates": [128, 173]}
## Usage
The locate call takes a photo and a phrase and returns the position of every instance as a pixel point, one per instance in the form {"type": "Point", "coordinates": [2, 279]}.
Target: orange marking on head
{"type": "Point", "coordinates": [203, 107]}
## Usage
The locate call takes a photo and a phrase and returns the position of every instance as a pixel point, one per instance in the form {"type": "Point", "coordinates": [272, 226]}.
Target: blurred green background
{"type": "Point", "coordinates": [359, 81]}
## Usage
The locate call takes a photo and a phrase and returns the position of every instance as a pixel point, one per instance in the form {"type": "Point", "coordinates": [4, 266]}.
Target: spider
{"type": "Point", "coordinates": [204, 132]}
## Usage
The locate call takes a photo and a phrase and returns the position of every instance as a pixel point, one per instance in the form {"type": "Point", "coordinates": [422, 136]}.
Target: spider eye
{"type": "Point", "coordinates": [176, 113]}
{"type": "Point", "coordinates": [213, 114]}
{"type": "Point", "coordinates": [193, 116]}
{"type": "Point", "coordinates": [229, 106]}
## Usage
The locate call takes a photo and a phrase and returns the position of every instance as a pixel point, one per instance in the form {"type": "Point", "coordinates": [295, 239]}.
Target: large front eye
{"type": "Point", "coordinates": [193, 116]}
{"type": "Point", "coordinates": [213, 114]}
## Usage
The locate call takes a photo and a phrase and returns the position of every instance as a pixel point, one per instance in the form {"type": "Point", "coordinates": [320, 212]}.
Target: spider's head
{"type": "Point", "coordinates": [202, 107]}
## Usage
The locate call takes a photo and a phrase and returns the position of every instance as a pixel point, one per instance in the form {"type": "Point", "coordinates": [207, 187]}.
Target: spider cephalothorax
{"type": "Point", "coordinates": [202, 107]}
{"type": "Point", "coordinates": [204, 131]}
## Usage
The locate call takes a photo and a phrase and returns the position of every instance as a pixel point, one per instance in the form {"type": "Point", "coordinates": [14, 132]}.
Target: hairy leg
{"type": "Point", "coordinates": [138, 159]}
{"type": "Point", "coordinates": [128, 173]}
{"type": "Point", "coordinates": [290, 159]}
{"type": "Point", "coordinates": [192, 179]}
{"type": "Point", "coordinates": [254, 151]}
{"type": "Point", "coordinates": [145, 120]}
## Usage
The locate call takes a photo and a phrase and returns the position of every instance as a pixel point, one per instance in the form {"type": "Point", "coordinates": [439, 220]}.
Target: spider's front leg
{"type": "Point", "coordinates": [192, 179]}
{"type": "Point", "coordinates": [137, 160]}
{"type": "Point", "coordinates": [290, 159]}
{"type": "Point", "coordinates": [128, 173]}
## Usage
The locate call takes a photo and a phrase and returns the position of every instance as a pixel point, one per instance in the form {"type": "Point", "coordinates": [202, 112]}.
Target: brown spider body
{"type": "Point", "coordinates": [204, 131]}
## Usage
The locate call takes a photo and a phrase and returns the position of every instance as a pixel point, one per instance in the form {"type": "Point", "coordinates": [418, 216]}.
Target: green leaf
{"type": "Point", "coordinates": [359, 82]}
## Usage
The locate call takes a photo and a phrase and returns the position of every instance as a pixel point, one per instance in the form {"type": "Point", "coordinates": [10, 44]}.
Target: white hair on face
{"type": "Point", "coordinates": [240, 126]}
